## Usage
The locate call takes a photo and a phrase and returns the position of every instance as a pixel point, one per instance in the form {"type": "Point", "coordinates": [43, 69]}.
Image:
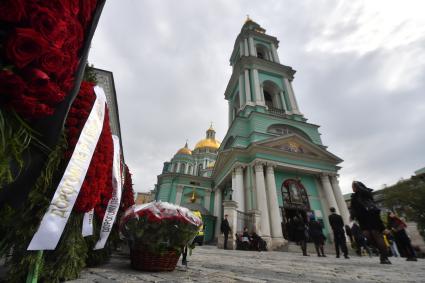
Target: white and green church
{"type": "Point", "coordinates": [271, 164]}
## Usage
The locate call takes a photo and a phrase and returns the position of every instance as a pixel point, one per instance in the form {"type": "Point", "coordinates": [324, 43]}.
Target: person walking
{"type": "Point", "coordinates": [225, 229]}
{"type": "Point", "coordinates": [337, 225]}
{"type": "Point", "coordinates": [359, 239]}
{"type": "Point", "coordinates": [367, 213]}
{"type": "Point", "coordinates": [316, 234]}
{"type": "Point", "coordinates": [398, 227]}
{"type": "Point", "coordinates": [300, 233]}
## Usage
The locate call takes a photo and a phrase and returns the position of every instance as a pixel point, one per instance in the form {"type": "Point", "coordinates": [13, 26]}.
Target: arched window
{"type": "Point", "coordinates": [182, 168]}
{"type": "Point", "coordinates": [200, 167]}
{"type": "Point", "coordinates": [268, 99]}
{"type": "Point", "coordinates": [262, 52]}
{"type": "Point", "coordinates": [294, 195]}
{"type": "Point", "coordinates": [272, 95]}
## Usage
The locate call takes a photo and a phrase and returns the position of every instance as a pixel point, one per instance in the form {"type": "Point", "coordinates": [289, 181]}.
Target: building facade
{"type": "Point", "coordinates": [271, 165]}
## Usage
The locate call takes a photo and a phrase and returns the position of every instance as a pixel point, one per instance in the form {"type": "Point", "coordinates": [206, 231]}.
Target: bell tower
{"type": "Point", "coordinates": [259, 81]}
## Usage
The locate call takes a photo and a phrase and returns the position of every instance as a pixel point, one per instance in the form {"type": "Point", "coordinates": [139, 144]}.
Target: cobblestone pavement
{"type": "Point", "coordinates": [209, 264]}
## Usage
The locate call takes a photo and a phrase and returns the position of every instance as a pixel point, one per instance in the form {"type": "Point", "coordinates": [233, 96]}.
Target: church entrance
{"type": "Point", "coordinates": [295, 204]}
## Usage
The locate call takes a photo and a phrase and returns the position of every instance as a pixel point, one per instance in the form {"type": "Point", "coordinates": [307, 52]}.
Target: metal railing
{"type": "Point", "coordinates": [276, 111]}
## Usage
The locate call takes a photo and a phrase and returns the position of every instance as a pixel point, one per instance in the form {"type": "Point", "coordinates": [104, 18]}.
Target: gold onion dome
{"type": "Point", "coordinates": [184, 150]}
{"type": "Point", "coordinates": [210, 143]}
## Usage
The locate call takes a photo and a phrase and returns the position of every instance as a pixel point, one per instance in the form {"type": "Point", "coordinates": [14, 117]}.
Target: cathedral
{"type": "Point", "coordinates": [271, 164]}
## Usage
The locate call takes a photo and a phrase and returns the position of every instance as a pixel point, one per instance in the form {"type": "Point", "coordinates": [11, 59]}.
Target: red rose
{"type": "Point", "coordinates": [24, 46]}
{"type": "Point", "coordinates": [52, 62]}
{"type": "Point", "coordinates": [49, 24]}
{"type": "Point", "coordinates": [12, 10]}
{"type": "Point", "coordinates": [50, 94]}
{"type": "Point", "coordinates": [35, 78]}
{"type": "Point", "coordinates": [75, 35]}
{"type": "Point", "coordinates": [11, 85]}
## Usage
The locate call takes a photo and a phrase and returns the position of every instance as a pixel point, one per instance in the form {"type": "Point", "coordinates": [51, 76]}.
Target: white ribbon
{"type": "Point", "coordinates": [88, 223]}
{"type": "Point", "coordinates": [54, 221]}
{"type": "Point", "coordinates": [114, 202]}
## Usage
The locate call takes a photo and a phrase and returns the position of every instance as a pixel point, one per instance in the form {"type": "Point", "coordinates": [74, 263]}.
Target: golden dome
{"type": "Point", "coordinates": [210, 143]}
{"type": "Point", "coordinates": [184, 150]}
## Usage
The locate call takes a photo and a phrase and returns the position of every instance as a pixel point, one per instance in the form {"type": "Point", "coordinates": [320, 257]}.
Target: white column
{"type": "Point", "coordinates": [240, 49]}
{"type": "Point", "coordinates": [325, 209]}
{"type": "Point", "coordinates": [264, 229]}
{"type": "Point", "coordinates": [275, 221]}
{"type": "Point", "coordinates": [247, 87]}
{"type": "Point", "coordinates": [252, 47]}
{"type": "Point", "coordinates": [207, 199]}
{"type": "Point", "coordinates": [327, 188]}
{"type": "Point", "coordinates": [258, 95]}
{"type": "Point", "coordinates": [234, 196]}
{"type": "Point", "coordinates": [239, 191]}
{"type": "Point", "coordinates": [342, 205]}
{"type": "Point", "coordinates": [179, 192]}
{"type": "Point", "coordinates": [275, 56]}
{"type": "Point", "coordinates": [217, 210]}
{"type": "Point", "coordinates": [282, 98]}
{"type": "Point", "coordinates": [178, 167]}
{"type": "Point", "coordinates": [186, 168]}
{"type": "Point", "coordinates": [241, 95]}
{"type": "Point", "coordinates": [270, 55]}
{"type": "Point", "coordinates": [246, 47]}
{"type": "Point", "coordinates": [291, 96]}
{"type": "Point", "coordinates": [261, 91]}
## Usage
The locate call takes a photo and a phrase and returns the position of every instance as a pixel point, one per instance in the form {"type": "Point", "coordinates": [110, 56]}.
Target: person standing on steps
{"type": "Point", "coordinates": [337, 225]}
{"type": "Point", "coordinates": [225, 229]}
{"type": "Point", "coordinates": [367, 213]}
{"type": "Point", "coordinates": [316, 234]}
{"type": "Point", "coordinates": [301, 233]}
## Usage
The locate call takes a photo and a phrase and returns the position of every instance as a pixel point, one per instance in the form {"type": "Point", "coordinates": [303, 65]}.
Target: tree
{"type": "Point", "coordinates": [408, 196]}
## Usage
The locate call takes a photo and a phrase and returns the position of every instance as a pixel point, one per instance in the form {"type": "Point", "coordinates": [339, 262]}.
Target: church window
{"type": "Point", "coordinates": [262, 52]}
{"type": "Point", "coordinates": [268, 99]}
{"type": "Point", "coordinates": [182, 168]}
{"type": "Point", "coordinates": [200, 169]}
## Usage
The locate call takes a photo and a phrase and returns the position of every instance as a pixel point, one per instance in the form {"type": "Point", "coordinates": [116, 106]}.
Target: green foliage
{"type": "Point", "coordinates": [408, 197]}
{"type": "Point", "coordinates": [69, 258]}
{"type": "Point", "coordinates": [19, 225]}
{"type": "Point", "coordinates": [89, 75]}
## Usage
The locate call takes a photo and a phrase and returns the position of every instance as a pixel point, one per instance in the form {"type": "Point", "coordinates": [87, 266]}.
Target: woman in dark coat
{"type": "Point", "coordinates": [316, 234]}
{"type": "Point", "coordinates": [398, 227]}
{"type": "Point", "coordinates": [300, 232]}
{"type": "Point", "coordinates": [365, 211]}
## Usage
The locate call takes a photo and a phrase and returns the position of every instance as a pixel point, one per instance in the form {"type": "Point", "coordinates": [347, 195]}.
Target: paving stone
{"type": "Point", "coordinates": [209, 264]}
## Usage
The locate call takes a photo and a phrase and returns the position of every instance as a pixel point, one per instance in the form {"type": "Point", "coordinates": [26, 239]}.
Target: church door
{"type": "Point", "coordinates": [295, 203]}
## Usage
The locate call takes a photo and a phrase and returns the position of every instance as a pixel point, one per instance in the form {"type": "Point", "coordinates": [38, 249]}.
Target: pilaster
{"type": "Point", "coordinates": [239, 189]}
{"type": "Point", "coordinates": [217, 210]}
{"type": "Point", "coordinates": [247, 86]}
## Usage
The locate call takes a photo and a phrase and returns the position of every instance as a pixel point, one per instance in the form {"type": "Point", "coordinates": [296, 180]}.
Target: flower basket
{"type": "Point", "coordinates": [141, 259]}
{"type": "Point", "coordinates": [157, 233]}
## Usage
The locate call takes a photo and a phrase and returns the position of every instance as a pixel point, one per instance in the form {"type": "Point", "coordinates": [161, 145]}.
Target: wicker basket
{"type": "Point", "coordinates": [143, 260]}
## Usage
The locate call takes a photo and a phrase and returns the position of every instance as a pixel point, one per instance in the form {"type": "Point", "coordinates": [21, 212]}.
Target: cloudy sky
{"type": "Point", "coordinates": [360, 76]}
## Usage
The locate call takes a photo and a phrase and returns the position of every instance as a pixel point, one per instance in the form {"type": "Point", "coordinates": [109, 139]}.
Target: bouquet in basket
{"type": "Point", "coordinates": [159, 227]}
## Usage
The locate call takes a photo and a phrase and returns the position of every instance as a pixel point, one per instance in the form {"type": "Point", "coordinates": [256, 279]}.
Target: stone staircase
{"type": "Point", "coordinates": [329, 249]}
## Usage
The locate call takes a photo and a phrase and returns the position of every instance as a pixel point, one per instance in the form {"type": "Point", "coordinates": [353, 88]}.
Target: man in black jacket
{"type": "Point", "coordinates": [225, 229]}
{"type": "Point", "coordinates": [337, 225]}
